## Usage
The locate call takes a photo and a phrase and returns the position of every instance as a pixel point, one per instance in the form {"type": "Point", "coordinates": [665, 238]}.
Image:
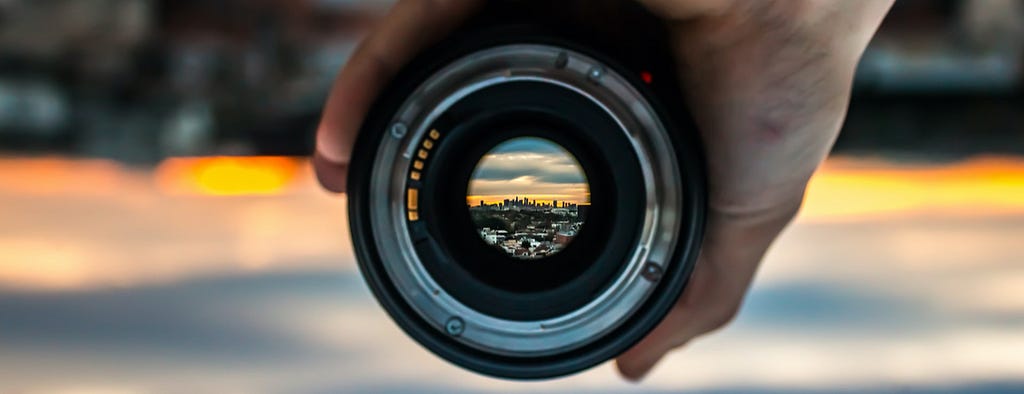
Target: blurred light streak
{"type": "Point", "coordinates": [97, 218]}
{"type": "Point", "coordinates": [852, 189]}
{"type": "Point", "coordinates": [227, 175]}
{"type": "Point", "coordinates": [77, 224]}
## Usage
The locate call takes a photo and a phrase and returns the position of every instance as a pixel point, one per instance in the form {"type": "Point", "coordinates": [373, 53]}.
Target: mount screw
{"type": "Point", "coordinates": [455, 326]}
{"type": "Point", "coordinates": [398, 130]}
{"type": "Point", "coordinates": [652, 272]}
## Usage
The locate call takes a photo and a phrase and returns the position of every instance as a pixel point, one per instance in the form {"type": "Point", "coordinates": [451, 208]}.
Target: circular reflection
{"type": "Point", "coordinates": [528, 197]}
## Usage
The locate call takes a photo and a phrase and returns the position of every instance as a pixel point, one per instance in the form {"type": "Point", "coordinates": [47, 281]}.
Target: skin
{"type": "Point", "coordinates": [768, 82]}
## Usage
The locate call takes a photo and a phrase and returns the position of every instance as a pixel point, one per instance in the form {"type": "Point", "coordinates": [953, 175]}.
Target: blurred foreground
{"type": "Point", "coordinates": [236, 275]}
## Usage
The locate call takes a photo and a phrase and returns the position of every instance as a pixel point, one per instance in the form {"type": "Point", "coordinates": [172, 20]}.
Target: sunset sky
{"type": "Point", "coordinates": [528, 167]}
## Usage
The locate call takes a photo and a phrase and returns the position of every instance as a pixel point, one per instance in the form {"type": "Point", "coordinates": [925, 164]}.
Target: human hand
{"type": "Point", "coordinates": [768, 83]}
{"type": "Point", "coordinates": [409, 26]}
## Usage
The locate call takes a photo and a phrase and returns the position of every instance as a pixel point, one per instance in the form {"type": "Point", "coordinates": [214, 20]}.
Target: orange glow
{"type": "Point", "coordinates": [843, 188]}
{"type": "Point", "coordinates": [220, 176]}
{"type": "Point", "coordinates": [49, 176]}
{"type": "Point", "coordinates": [545, 198]}
{"type": "Point", "coordinates": [96, 219]}
{"type": "Point", "coordinates": [73, 223]}
{"type": "Point", "coordinates": [855, 188]}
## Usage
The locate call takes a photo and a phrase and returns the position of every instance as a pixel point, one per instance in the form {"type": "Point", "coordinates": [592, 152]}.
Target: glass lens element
{"type": "Point", "coordinates": [528, 197]}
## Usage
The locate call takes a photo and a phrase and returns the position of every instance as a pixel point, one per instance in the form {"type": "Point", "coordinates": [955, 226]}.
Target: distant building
{"type": "Point", "coordinates": [563, 238]}
{"type": "Point", "coordinates": [582, 210]}
{"type": "Point", "coordinates": [533, 229]}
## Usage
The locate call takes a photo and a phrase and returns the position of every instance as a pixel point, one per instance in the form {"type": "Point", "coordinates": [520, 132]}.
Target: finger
{"type": "Point", "coordinates": [331, 175]}
{"type": "Point", "coordinates": [638, 360]}
{"type": "Point", "coordinates": [408, 27]}
{"type": "Point", "coordinates": [682, 10]}
{"type": "Point", "coordinates": [731, 253]}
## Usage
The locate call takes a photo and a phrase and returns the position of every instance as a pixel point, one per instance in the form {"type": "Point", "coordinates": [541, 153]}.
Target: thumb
{"type": "Point", "coordinates": [410, 26]}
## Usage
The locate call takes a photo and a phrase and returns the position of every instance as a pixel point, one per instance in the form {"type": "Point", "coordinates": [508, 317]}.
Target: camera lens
{"type": "Point", "coordinates": [523, 205]}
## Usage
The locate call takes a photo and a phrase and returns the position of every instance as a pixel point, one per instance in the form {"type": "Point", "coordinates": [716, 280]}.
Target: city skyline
{"type": "Point", "coordinates": [528, 167]}
{"type": "Point", "coordinates": [545, 199]}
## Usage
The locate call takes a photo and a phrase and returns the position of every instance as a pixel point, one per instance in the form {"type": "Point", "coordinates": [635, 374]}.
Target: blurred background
{"type": "Point", "coordinates": [161, 231]}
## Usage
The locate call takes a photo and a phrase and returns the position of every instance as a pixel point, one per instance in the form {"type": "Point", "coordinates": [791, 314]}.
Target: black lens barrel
{"type": "Point", "coordinates": [628, 42]}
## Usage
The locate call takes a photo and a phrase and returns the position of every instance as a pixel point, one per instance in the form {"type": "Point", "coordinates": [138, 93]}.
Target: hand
{"type": "Point", "coordinates": [409, 26]}
{"type": "Point", "coordinates": [767, 81]}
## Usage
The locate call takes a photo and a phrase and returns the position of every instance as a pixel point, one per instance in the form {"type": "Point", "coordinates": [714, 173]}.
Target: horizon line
{"type": "Point", "coordinates": [490, 199]}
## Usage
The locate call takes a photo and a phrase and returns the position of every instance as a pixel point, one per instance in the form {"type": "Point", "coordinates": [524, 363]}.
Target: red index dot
{"type": "Point", "coordinates": [647, 77]}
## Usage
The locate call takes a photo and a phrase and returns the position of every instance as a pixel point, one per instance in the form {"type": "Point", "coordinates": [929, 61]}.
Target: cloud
{"type": "Point", "coordinates": [529, 186]}
{"type": "Point", "coordinates": [520, 157]}
{"type": "Point", "coordinates": [529, 145]}
{"type": "Point", "coordinates": [551, 167]}
{"type": "Point", "coordinates": [529, 167]}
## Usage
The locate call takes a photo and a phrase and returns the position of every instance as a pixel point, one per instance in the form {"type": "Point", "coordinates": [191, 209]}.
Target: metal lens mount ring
{"type": "Point", "coordinates": [581, 75]}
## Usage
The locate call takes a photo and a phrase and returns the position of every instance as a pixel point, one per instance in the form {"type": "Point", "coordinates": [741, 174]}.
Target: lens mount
{"type": "Point", "coordinates": [582, 76]}
{"type": "Point", "coordinates": [629, 262]}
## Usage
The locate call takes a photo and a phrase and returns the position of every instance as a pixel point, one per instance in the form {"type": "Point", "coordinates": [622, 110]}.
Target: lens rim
{"type": "Point", "coordinates": [525, 364]}
{"type": "Point", "coordinates": [483, 278]}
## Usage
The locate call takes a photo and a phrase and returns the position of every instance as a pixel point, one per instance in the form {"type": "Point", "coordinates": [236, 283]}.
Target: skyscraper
{"type": "Point", "coordinates": [582, 210]}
